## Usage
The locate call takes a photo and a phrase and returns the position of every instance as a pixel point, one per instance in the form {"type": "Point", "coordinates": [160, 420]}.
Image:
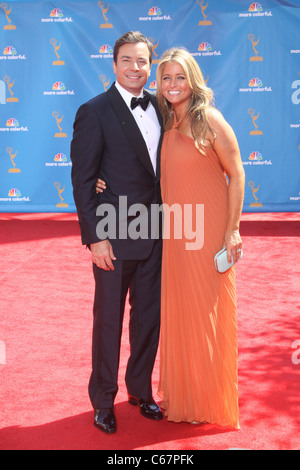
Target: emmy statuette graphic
{"type": "Point", "coordinates": [55, 114]}
{"type": "Point", "coordinates": [254, 118]}
{"type": "Point", "coordinates": [102, 79]}
{"type": "Point", "coordinates": [156, 60]}
{"type": "Point", "coordinates": [60, 191]}
{"type": "Point", "coordinates": [204, 22]}
{"type": "Point", "coordinates": [251, 185]}
{"type": "Point", "coordinates": [53, 43]}
{"type": "Point", "coordinates": [104, 10]}
{"type": "Point", "coordinates": [255, 58]}
{"type": "Point", "coordinates": [12, 155]}
{"type": "Point", "coordinates": [7, 13]}
{"type": "Point", "coordinates": [11, 98]}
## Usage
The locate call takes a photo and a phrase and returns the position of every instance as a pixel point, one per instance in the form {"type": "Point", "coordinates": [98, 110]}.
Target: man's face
{"type": "Point", "coordinates": [132, 68]}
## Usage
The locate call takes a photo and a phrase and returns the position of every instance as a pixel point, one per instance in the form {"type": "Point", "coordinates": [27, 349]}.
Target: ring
{"type": "Point", "coordinates": [239, 249]}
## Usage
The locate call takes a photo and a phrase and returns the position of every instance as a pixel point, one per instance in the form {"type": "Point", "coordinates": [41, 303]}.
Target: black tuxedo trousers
{"type": "Point", "coordinates": [142, 279]}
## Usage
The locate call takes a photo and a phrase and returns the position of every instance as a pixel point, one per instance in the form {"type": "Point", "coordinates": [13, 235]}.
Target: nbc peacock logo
{"type": "Point", "coordinates": [105, 49]}
{"type": "Point", "coordinates": [56, 13]}
{"type": "Point", "coordinates": [255, 84]}
{"type": "Point", "coordinates": [204, 47]}
{"type": "Point", "coordinates": [152, 85]}
{"type": "Point", "coordinates": [155, 14]}
{"type": "Point", "coordinates": [9, 50]}
{"type": "Point", "coordinates": [10, 53]}
{"type": "Point", "coordinates": [12, 122]}
{"type": "Point", "coordinates": [59, 159]}
{"type": "Point", "coordinates": [105, 52]}
{"type": "Point", "coordinates": [255, 6]}
{"type": "Point", "coordinates": [56, 16]}
{"type": "Point", "coordinates": [14, 195]}
{"type": "Point", "coordinates": [154, 11]}
{"type": "Point", "coordinates": [255, 156]}
{"type": "Point", "coordinates": [59, 88]}
{"type": "Point", "coordinates": [12, 125]}
{"type": "Point", "coordinates": [14, 192]}
{"type": "Point", "coordinates": [255, 9]}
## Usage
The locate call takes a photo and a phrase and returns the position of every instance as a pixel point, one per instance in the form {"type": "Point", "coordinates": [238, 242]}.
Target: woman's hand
{"type": "Point", "coordinates": [233, 243]}
{"type": "Point", "coordinates": [100, 186]}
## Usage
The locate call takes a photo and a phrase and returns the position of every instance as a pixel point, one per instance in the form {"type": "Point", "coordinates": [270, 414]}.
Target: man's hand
{"type": "Point", "coordinates": [103, 255]}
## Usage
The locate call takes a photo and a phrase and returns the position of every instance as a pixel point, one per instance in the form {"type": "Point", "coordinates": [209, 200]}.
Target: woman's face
{"type": "Point", "coordinates": [174, 85]}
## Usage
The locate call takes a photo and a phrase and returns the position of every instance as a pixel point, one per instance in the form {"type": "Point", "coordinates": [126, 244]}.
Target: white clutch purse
{"type": "Point", "coordinates": [221, 262]}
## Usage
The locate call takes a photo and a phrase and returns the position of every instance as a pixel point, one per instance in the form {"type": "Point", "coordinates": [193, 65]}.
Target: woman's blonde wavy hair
{"type": "Point", "coordinates": [201, 99]}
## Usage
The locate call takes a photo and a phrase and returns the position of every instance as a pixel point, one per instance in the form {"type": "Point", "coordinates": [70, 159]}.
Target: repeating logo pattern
{"type": "Point", "coordinates": [41, 91]}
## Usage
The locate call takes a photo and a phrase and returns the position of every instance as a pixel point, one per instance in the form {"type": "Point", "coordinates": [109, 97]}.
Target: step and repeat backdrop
{"type": "Point", "coordinates": [56, 55]}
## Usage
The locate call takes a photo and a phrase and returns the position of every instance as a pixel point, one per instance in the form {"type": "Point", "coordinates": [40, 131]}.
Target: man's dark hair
{"type": "Point", "coordinates": [132, 37]}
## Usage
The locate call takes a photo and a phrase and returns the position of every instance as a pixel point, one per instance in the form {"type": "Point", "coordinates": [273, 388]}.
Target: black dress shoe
{"type": "Point", "coordinates": [105, 420]}
{"type": "Point", "coordinates": [149, 409]}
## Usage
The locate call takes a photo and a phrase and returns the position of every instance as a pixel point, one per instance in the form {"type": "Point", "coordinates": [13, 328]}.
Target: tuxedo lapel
{"type": "Point", "coordinates": [130, 127]}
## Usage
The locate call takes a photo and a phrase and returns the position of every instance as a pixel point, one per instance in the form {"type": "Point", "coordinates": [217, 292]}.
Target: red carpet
{"type": "Point", "coordinates": [45, 343]}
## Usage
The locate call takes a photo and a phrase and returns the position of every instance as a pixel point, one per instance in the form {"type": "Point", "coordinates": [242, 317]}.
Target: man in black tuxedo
{"type": "Point", "coordinates": [119, 141]}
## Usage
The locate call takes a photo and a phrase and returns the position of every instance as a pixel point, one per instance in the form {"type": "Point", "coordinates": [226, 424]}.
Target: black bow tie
{"type": "Point", "coordinates": [143, 102]}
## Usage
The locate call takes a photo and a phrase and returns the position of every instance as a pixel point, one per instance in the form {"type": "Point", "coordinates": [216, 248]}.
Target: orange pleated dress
{"type": "Point", "coordinates": [198, 345]}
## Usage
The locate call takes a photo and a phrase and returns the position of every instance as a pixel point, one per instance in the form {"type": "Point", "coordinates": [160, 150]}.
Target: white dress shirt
{"type": "Point", "coordinates": [147, 122]}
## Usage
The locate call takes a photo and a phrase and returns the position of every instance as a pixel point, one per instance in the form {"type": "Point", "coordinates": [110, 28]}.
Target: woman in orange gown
{"type": "Point", "coordinates": [198, 348]}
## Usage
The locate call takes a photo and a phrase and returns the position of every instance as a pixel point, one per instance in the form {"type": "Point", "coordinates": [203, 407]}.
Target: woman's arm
{"type": "Point", "coordinates": [226, 146]}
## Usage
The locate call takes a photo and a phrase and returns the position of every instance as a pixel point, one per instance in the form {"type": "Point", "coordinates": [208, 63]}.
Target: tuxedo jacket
{"type": "Point", "coordinates": [107, 143]}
